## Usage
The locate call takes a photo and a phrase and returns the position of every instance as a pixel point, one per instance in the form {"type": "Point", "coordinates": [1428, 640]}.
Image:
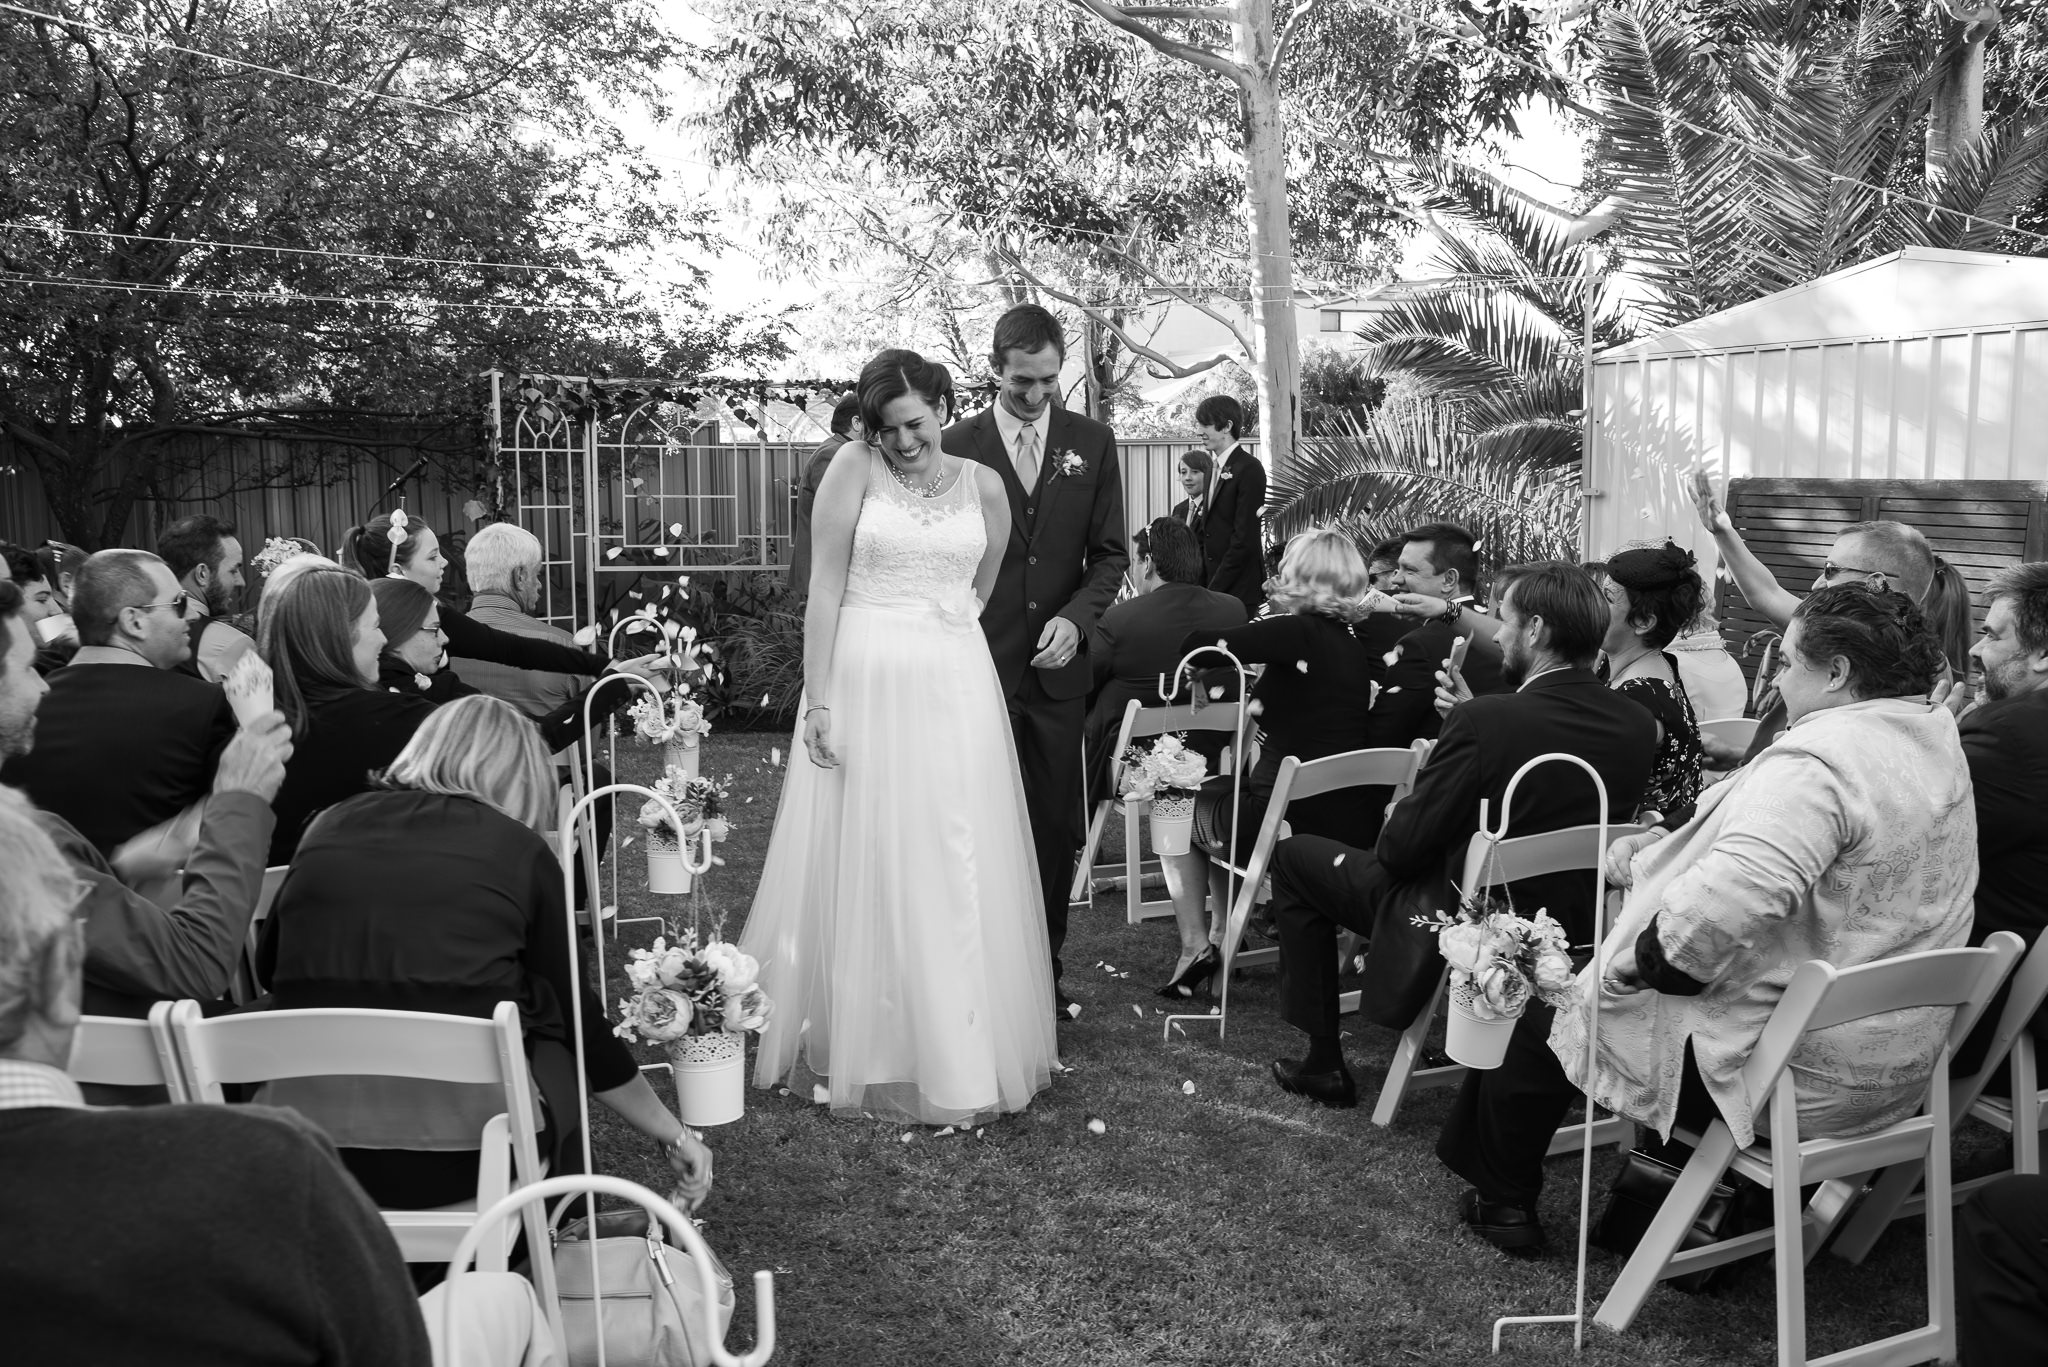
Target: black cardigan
{"type": "Point", "coordinates": [347, 735]}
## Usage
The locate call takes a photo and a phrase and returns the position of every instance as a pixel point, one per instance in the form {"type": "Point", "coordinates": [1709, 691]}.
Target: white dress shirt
{"type": "Point", "coordinates": [1009, 425]}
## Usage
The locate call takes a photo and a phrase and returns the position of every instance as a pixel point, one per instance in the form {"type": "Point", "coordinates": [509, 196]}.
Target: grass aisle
{"type": "Point", "coordinates": [1233, 1225]}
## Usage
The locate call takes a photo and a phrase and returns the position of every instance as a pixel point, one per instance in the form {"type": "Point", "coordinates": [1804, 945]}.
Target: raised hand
{"type": "Point", "coordinates": [1713, 516]}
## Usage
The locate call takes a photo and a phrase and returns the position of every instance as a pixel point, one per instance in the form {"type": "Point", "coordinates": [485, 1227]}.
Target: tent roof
{"type": "Point", "coordinates": [1911, 292]}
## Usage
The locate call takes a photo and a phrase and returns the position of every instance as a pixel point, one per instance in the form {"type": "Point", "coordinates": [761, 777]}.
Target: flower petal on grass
{"type": "Point", "coordinates": [820, 1095]}
{"type": "Point", "coordinates": [1138, 1011]}
{"type": "Point", "coordinates": [1188, 1088]}
{"type": "Point", "coordinates": [1097, 1127]}
{"type": "Point", "coordinates": [906, 1136]}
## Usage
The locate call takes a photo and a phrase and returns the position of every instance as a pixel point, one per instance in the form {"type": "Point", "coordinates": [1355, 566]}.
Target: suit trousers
{"type": "Point", "coordinates": [1048, 734]}
{"type": "Point", "coordinates": [1320, 885]}
{"type": "Point", "coordinates": [1500, 1127]}
{"type": "Point", "coordinates": [2002, 1273]}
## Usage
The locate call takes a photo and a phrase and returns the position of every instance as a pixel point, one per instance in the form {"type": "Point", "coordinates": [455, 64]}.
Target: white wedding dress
{"type": "Point", "coordinates": [899, 925]}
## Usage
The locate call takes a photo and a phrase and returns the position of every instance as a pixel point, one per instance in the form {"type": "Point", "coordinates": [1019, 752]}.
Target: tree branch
{"type": "Point", "coordinates": [1116, 17]}
{"type": "Point", "coordinates": [1174, 369]}
{"type": "Point", "coordinates": [1202, 14]}
{"type": "Point", "coordinates": [1293, 25]}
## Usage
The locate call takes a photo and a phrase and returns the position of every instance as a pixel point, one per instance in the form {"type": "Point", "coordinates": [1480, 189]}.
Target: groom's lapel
{"type": "Point", "coordinates": [988, 446]}
{"type": "Point", "coordinates": [1049, 483]}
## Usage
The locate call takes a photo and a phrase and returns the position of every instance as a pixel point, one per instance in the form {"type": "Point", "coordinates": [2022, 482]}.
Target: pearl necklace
{"type": "Point", "coordinates": [928, 490]}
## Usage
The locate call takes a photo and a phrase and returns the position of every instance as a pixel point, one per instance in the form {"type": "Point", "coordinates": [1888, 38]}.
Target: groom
{"type": "Point", "coordinates": [1062, 567]}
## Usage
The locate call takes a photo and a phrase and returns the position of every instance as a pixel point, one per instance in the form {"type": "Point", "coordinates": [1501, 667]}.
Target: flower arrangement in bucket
{"type": "Point", "coordinates": [680, 719]}
{"type": "Point", "coordinates": [1499, 961]}
{"type": "Point", "coordinates": [699, 1000]}
{"type": "Point", "coordinates": [700, 805]}
{"type": "Point", "coordinates": [1167, 775]}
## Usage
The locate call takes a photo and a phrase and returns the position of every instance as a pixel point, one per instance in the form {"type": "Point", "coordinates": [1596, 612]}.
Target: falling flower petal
{"type": "Point", "coordinates": [1216, 691]}
{"type": "Point", "coordinates": [1215, 1010]}
{"type": "Point", "coordinates": [819, 1094]}
{"type": "Point", "coordinates": [1097, 1127]}
{"type": "Point", "coordinates": [1301, 666]}
{"type": "Point", "coordinates": [1188, 1088]}
{"type": "Point", "coordinates": [1391, 691]}
{"type": "Point", "coordinates": [1255, 708]}
{"type": "Point", "coordinates": [764, 700]}
{"type": "Point", "coordinates": [614, 552]}
{"type": "Point", "coordinates": [1339, 860]}
{"type": "Point", "coordinates": [587, 636]}
{"type": "Point", "coordinates": [675, 529]}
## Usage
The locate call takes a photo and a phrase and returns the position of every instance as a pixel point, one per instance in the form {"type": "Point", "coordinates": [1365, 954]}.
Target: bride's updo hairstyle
{"type": "Point", "coordinates": [897, 372]}
{"type": "Point", "coordinates": [1321, 571]}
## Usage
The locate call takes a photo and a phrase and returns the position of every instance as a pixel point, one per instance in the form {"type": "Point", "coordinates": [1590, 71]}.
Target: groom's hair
{"type": "Point", "coordinates": [1220, 410]}
{"type": "Point", "coordinates": [896, 372]}
{"type": "Point", "coordinates": [1026, 328]}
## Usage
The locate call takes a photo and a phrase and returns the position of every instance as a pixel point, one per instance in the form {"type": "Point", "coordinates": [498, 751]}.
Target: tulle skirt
{"type": "Point", "coordinates": [899, 923]}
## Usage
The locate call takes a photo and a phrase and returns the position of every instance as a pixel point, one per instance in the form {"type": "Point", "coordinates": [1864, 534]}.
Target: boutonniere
{"type": "Point", "coordinates": [1068, 463]}
{"type": "Point", "coordinates": [1225, 474]}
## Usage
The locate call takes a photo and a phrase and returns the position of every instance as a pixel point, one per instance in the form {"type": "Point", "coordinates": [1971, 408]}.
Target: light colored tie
{"type": "Point", "coordinates": [1027, 456]}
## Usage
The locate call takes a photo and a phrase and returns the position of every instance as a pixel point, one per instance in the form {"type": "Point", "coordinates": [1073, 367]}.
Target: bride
{"type": "Point", "coordinates": [899, 922]}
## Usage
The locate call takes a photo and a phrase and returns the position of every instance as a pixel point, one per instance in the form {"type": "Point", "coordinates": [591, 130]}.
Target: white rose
{"type": "Point", "coordinates": [671, 966]}
{"type": "Point", "coordinates": [1464, 947]}
{"type": "Point", "coordinates": [736, 971]}
{"type": "Point", "coordinates": [747, 1011]}
{"type": "Point", "coordinates": [1553, 971]}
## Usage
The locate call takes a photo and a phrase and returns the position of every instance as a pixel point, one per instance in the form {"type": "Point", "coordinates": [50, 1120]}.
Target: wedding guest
{"type": "Point", "coordinates": [1196, 471]}
{"type": "Point", "coordinates": [1947, 606]}
{"type": "Point", "coordinates": [1383, 630]}
{"type": "Point", "coordinates": [319, 633]}
{"type": "Point", "coordinates": [1382, 564]}
{"type": "Point", "coordinates": [126, 743]}
{"type": "Point", "coordinates": [39, 596]}
{"type": "Point", "coordinates": [1882, 554]}
{"type": "Point", "coordinates": [1813, 849]}
{"type": "Point", "coordinates": [1311, 701]}
{"type": "Point", "coordinates": [417, 556]}
{"type": "Point", "coordinates": [1232, 539]}
{"type": "Point", "coordinates": [2005, 741]}
{"type": "Point", "coordinates": [371, 915]}
{"type": "Point", "coordinates": [1552, 623]}
{"type": "Point", "coordinates": [846, 427]}
{"type": "Point", "coordinates": [298, 1266]}
{"type": "Point", "coordinates": [61, 563]}
{"type": "Point", "coordinates": [1436, 573]}
{"type": "Point", "coordinates": [504, 562]}
{"type": "Point", "coordinates": [1650, 590]}
{"type": "Point", "coordinates": [206, 556]}
{"type": "Point", "coordinates": [2001, 1236]}
{"type": "Point", "coordinates": [1713, 680]}
{"type": "Point", "coordinates": [1139, 639]}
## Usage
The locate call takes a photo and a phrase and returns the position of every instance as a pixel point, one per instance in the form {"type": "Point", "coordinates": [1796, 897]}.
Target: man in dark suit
{"type": "Point", "coordinates": [1065, 560]}
{"type": "Point", "coordinates": [1552, 622]}
{"type": "Point", "coordinates": [845, 428]}
{"type": "Point", "coordinates": [2005, 739]}
{"type": "Point", "coordinates": [1438, 562]}
{"type": "Point", "coordinates": [1140, 638]}
{"type": "Point", "coordinates": [123, 742]}
{"type": "Point", "coordinates": [1233, 541]}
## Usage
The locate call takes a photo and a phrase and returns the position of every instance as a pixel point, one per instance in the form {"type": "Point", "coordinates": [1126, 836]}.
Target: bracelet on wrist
{"type": "Point", "coordinates": [817, 707]}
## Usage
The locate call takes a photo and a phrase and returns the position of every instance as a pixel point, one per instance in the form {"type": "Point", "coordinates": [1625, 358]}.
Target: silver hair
{"type": "Point", "coordinates": [38, 890]}
{"type": "Point", "coordinates": [495, 553]}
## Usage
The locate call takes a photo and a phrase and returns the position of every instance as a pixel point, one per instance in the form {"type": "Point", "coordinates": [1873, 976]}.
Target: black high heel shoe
{"type": "Point", "coordinates": [1195, 976]}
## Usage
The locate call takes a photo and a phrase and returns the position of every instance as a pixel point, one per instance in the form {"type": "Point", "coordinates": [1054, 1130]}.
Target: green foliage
{"type": "Point", "coordinates": [1409, 463]}
{"type": "Point", "coordinates": [495, 148]}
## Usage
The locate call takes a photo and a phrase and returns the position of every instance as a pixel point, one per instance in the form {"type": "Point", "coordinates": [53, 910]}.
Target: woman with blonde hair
{"type": "Point", "coordinates": [1312, 700]}
{"type": "Point", "coordinates": [374, 914]}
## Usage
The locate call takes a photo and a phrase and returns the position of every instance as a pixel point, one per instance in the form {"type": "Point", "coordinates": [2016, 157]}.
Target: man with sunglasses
{"type": "Point", "coordinates": [1883, 554]}
{"type": "Point", "coordinates": [124, 743]}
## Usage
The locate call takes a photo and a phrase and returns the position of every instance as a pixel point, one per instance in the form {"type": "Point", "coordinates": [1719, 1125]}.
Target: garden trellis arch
{"type": "Point", "coordinates": [621, 479]}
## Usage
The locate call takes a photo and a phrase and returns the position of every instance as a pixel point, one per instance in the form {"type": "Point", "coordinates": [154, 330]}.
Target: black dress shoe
{"type": "Point", "coordinates": [1510, 1227]}
{"type": "Point", "coordinates": [1330, 1089]}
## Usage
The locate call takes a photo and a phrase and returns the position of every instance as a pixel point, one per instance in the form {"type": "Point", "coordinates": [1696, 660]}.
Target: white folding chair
{"type": "Point", "coordinates": [112, 1051]}
{"type": "Point", "coordinates": [246, 987]}
{"type": "Point", "coordinates": [1489, 863]}
{"type": "Point", "coordinates": [1297, 779]}
{"type": "Point", "coordinates": [1894, 1195]}
{"type": "Point", "coordinates": [1737, 732]}
{"type": "Point", "coordinates": [266, 1046]}
{"type": "Point", "coordinates": [1820, 997]}
{"type": "Point", "coordinates": [1142, 723]}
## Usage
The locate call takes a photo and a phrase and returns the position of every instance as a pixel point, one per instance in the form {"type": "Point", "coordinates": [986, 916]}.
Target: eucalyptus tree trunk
{"type": "Point", "coordinates": [1269, 227]}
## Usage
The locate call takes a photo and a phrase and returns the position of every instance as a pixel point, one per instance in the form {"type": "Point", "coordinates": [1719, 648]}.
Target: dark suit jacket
{"type": "Point", "coordinates": [1233, 543]}
{"type": "Point", "coordinates": [808, 479]}
{"type": "Point", "coordinates": [1484, 741]}
{"type": "Point", "coordinates": [2006, 743]}
{"type": "Point", "coordinates": [1405, 710]}
{"type": "Point", "coordinates": [1138, 640]}
{"type": "Point", "coordinates": [120, 748]}
{"type": "Point", "coordinates": [1067, 551]}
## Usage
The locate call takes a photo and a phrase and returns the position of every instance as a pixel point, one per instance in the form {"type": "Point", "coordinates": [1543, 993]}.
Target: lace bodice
{"type": "Point", "coordinates": [910, 547]}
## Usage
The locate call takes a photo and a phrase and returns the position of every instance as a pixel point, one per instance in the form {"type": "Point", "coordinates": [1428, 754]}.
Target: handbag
{"type": "Point", "coordinates": [651, 1316]}
{"type": "Point", "coordinates": [1638, 1193]}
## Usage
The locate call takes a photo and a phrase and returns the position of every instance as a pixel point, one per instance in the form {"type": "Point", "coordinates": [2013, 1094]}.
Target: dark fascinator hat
{"type": "Point", "coordinates": [1651, 567]}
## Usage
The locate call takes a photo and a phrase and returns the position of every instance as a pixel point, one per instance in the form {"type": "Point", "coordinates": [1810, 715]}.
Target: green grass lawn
{"type": "Point", "coordinates": [1230, 1225]}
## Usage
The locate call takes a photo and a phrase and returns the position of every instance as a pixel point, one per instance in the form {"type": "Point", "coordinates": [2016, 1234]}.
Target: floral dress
{"type": "Point", "coordinates": [1675, 778]}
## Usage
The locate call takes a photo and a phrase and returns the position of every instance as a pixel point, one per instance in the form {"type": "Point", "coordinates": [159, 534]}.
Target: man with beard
{"type": "Point", "coordinates": [2005, 739]}
{"type": "Point", "coordinates": [1552, 623]}
{"type": "Point", "coordinates": [206, 557]}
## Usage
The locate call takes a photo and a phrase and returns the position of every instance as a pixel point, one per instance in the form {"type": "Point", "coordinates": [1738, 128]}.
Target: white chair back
{"type": "Point", "coordinates": [265, 1046]}
{"type": "Point", "coordinates": [247, 986]}
{"type": "Point", "coordinates": [1737, 732]}
{"type": "Point", "coordinates": [112, 1051]}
